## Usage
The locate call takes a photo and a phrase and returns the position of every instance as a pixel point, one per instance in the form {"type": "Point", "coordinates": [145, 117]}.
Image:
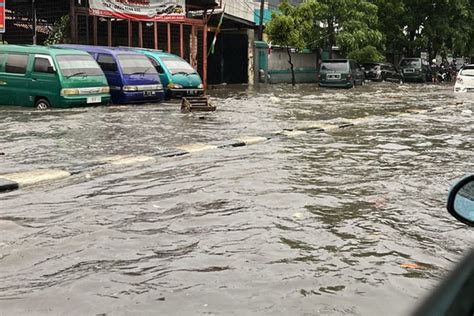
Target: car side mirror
{"type": "Point", "coordinates": [51, 70]}
{"type": "Point", "coordinates": [461, 200]}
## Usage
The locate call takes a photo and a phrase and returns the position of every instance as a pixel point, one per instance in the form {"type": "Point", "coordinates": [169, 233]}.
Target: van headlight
{"type": "Point", "coordinates": [200, 86]}
{"type": "Point", "coordinates": [174, 86]}
{"type": "Point", "coordinates": [68, 92]}
{"type": "Point", "coordinates": [105, 89]}
{"type": "Point", "coordinates": [130, 88]}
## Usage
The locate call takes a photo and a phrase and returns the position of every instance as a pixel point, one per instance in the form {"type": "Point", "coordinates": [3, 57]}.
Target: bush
{"type": "Point", "coordinates": [59, 32]}
{"type": "Point", "coordinates": [367, 54]}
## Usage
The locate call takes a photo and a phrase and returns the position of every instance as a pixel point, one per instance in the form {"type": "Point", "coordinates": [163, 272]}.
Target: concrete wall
{"type": "Point", "coordinates": [305, 66]}
{"type": "Point", "coordinates": [243, 9]}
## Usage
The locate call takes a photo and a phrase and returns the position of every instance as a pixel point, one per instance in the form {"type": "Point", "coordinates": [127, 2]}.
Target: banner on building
{"type": "Point", "coordinates": [139, 10]}
{"type": "Point", "coordinates": [2, 16]}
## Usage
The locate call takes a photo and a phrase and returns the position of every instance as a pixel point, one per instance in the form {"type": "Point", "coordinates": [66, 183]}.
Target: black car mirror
{"type": "Point", "coordinates": [461, 200]}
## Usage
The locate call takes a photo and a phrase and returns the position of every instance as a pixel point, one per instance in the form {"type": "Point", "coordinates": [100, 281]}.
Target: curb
{"type": "Point", "coordinates": [8, 185]}
{"type": "Point", "coordinates": [14, 181]}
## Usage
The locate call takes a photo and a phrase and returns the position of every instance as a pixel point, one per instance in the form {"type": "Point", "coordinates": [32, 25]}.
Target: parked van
{"type": "Point", "coordinates": [178, 77]}
{"type": "Point", "coordinates": [132, 77]}
{"type": "Point", "coordinates": [343, 73]}
{"type": "Point", "coordinates": [44, 77]}
{"type": "Point", "coordinates": [415, 69]}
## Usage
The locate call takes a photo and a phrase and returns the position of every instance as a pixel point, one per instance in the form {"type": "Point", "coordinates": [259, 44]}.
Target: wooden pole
{"type": "Point", "coordinates": [130, 33]}
{"type": "Point", "coordinates": [155, 34]}
{"type": "Point", "coordinates": [204, 55]}
{"type": "Point", "coordinates": [140, 34]}
{"type": "Point", "coordinates": [33, 20]}
{"type": "Point", "coordinates": [109, 32]}
{"type": "Point", "coordinates": [72, 19]}
{"type": "Point", "coordinates": [94, 27]}
{"type": "Point", "coordinates": [169, 38]}
{"type": "Point", "coordinates": [181, 40]}
{"type": "Point", "coordinates": [193, 47]}
{"type": "Point", "coordinates": [260, 26]}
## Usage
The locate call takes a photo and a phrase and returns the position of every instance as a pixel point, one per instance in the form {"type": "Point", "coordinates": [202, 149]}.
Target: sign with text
{"type": "Point", "coordinates": [139, 10]}
{"type": "Point", "coordinates": [2, 16]}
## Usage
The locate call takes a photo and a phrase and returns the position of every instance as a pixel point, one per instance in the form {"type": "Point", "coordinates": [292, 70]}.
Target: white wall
{"type": "Point", "coordinates": [243, 9]}
{"type": "Point", "coordinates": [278, 60]}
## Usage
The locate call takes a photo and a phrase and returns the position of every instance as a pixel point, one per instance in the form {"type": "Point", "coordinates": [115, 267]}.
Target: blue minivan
{"type": "Point", "coordinates": [178, 77]}
{"type": "Point", "coordinates": [131, 76]}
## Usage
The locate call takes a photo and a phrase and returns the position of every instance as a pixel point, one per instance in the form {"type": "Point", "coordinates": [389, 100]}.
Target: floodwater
{"type": "Point", "coordinates": [346, 222]}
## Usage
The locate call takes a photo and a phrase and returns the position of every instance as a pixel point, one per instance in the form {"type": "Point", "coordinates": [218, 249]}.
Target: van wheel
{"type": "Point", "coordinates": [42, 104]}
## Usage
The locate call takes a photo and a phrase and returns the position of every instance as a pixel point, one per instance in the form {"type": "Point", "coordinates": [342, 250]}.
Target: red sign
{"type": "Point", "coordinates": [139, 10]}
{"type": "Point", "coordinates": [2, 16]}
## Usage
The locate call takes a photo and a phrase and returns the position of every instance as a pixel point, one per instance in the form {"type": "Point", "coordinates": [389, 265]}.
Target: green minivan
{"type": "Point", "coordinates": [44, 77]}
{"type": "Point", "coordinates": [178, 77]}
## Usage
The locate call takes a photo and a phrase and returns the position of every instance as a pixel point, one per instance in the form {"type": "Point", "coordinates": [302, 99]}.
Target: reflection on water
{"type": "Point", "coordinates": [322, 223]}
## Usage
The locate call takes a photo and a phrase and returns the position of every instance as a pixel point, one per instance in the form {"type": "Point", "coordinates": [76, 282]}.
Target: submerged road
{"type": "Point", "coordinates": [338, 221]}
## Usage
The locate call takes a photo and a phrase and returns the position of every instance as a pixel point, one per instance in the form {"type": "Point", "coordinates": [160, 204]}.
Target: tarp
{"type": "Point", "coordinates": [139, 10]}
{"type": "Point", "coordinates": [2, 16]}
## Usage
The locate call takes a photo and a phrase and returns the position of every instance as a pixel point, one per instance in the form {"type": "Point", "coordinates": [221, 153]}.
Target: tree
{"type": "Point", "coordinates": [433, 26]}
{"type": "Point", "coordinates": [283, 30]}
{"type": "Point", "coordinates": [366, 54]}
{"type": "Point", "coordinates": [349, 24]}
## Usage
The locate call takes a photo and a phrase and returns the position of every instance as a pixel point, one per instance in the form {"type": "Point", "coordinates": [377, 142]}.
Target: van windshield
{"type": "Point", "coordinates": [84, 65]}
{"type": "Point", "coordinates": [415, 63]}
{"type": "Point", "coordinates": [136, 65]}
{"type": "Point", "coordinates": [335, 66]}
{"type": "Point", "coordinates": [178, 66]}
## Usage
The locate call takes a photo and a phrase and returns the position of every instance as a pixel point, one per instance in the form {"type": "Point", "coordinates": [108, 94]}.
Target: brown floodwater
{"type": "Point", "coordinates": [346, 222]}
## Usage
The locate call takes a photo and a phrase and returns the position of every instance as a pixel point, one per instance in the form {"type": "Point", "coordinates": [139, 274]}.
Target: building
{"type": "Point", "coordinates": [185, 28]}
{"type": "Point", "coordinates": [278, 68]}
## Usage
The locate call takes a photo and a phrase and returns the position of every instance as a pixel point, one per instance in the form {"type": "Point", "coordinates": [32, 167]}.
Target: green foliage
{"type": "Point", "coordinates": [434, 26]}
{"type": "Point", "coordinates": [282, 28]}
{"type": "Point", "coordinates": [371, 27]}
{"type": "Point", "coordinates": [60, 31]}
{"type": "Point", "coordinates": [366, 54]}
{"type": "Point", "coordinates": [349, 24]}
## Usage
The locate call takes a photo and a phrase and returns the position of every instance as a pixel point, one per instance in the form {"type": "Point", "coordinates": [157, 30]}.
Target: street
{"type": "Point", "coordinates": [335, 205]}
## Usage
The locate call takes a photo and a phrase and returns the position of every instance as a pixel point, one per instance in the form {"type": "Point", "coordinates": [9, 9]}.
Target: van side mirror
{"type": "Point", "coordinates": [461, 200]}
{"type": "Point", "coordinates": [159, 69]}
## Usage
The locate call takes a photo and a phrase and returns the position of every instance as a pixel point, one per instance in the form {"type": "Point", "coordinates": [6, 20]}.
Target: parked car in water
{"type": "Point", "coordinates": [465, 79]}
{"type": "Point", "coordinates": [131, 76]}
{"type": "Point", "coordinates": [415, 69]}
{"type": "Point", "coordinates": [382, 72]}
{"type": "Point", "coordinates": [342, 73]}
{"type": "Point", "coordinates": [44, 77]}
{"type": "Point", "coordinates": [178, 77]}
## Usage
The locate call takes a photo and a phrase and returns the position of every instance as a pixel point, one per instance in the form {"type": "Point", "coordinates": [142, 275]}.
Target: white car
{"type": "Point", "coordinates": [465, 79]}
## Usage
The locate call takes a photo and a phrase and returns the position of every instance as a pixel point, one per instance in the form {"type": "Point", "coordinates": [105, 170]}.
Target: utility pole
{"type": "Point", "coordinates": [33, 20]}
{"type": "Point", "coordinates": [260, 27]}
